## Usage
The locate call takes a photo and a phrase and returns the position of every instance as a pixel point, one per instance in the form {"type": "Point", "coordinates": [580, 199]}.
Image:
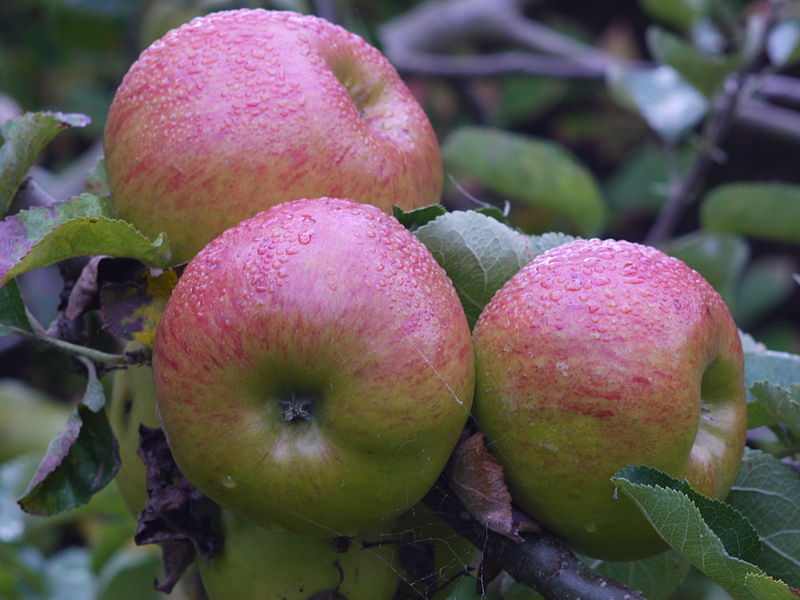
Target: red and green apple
{"type": "Point", "coordinates": [314, 368]}
{"type": "Point", "coordinates": [239, 110]}
{"type": "Point", "coordinates": [603, 354]}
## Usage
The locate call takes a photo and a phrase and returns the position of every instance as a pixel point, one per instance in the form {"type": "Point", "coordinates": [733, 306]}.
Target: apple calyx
{"type": "Point", "coordinates": [297, 406]}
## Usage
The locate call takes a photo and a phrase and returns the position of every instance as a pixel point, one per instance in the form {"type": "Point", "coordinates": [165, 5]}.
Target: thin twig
{"type": "Point", "coordinates": [106, 358]}
{"type": "Point", "coordinates": [790, 451]}
{"type": "Point", "coordinates": [542, 561]}
{"type": "Point", "coordinates": [685, 192]}
{"type": "Point", "coordinates": [417, 43]}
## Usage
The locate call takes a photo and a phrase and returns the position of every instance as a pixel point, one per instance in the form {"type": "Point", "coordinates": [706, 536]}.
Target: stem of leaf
{"type": "Point", "coordinates": [114, 360]}
{"type": "Point", "coordinates": [790, 451]}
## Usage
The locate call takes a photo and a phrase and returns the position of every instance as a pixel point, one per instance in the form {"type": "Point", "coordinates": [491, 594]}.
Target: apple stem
{"type": "Point", "coordinates": [297, 407]}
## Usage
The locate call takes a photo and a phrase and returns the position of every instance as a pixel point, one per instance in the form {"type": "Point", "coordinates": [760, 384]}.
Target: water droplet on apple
{"type": "Point", "coordinates": [550, 446]}
{"type": "Point", "coordinates": [228, 482]}
{"type": "Point", "coordinates": [590, 527]}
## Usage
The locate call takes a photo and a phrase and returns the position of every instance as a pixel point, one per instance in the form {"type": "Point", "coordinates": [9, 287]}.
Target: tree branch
{"type": "Point", "coordinates": [685, 191]}
{"type": "Point", "coordinates": [417, 42]}
{"type": "Point", "coordinates": [113, 360]}
{"type": "Point", "coordinates": [542, 561]}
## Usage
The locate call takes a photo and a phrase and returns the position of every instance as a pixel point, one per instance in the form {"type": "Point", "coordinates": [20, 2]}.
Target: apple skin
{"type": "Point", "coordinates": [261, 564]}
{"type": "Point", "coordinates": [314, 368]}
{"type": "Point", "coordinates": [239, 110]}
{"type": "Point", "coordinates": [133, 403]}
{"type": "Point", "coordinates": [602, 354]}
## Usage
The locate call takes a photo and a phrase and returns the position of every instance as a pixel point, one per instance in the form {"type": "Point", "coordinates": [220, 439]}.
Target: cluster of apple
{"type": "Point", "coordinates": [313, 368]}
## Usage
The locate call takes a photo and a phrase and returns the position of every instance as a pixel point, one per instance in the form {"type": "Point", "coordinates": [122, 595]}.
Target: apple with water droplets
{"type": "Point", "coordinates": [314, 368]}
{"type": "Point", "coordinates": [601, 354]}
{"type": "Point", "coordinates": [239, 110]}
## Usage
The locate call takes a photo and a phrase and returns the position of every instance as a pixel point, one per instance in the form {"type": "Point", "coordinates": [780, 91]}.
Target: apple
{"type": "Point", "coordinates": [453, 556]}
{"type": "Point", "coordinates": [240, 110]}
{"type": "Point", "coordinates": [262, 564]}
{"type": "Point", "coordinates": [133, 403]}
{"type": "Point", "coordinates": [254, 562]}
{"type": "Point", "coordinates": [600, 354]}
{"type": "Point", "coordinates": [314, 368]}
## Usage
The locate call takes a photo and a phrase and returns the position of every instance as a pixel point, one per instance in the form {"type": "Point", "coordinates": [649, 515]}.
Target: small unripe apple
{"type": "Point", "coordinates": [133, 403]}
{"type": "Point", "coordinates": [261, 564]}
{"type": "Point", "coordinates": [446, 557]}
{"type": "Point", "coordinates": [314, 368]}
{"type": "Point", "coordinates": [603, 354]}
{"type": "Point", "coordinates": [239, 110]}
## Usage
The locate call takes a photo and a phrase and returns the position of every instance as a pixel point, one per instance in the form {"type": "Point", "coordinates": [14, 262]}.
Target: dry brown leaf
{"type": "Point", "coordinates": [479, 482]}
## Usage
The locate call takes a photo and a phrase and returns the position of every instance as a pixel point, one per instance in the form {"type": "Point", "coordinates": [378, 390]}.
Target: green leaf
{"type": "Point", "coordinates": [764, 587]}
{"type": "Point", "coordinates": [545, 241]}
{"type": "Point", "coordinates": [531, 171]}
{"type": "Point", "coordinates": [25, 137]}
{"type": "Point", "coordinates": [640, 185]}
{"type": "Point", "coordinates": [737, 536]}
{"type": "Point", "coordinates": [749, 343]}
{"type": "Point", "coordinates": [524, 98]}
{"type": "Point", "coordinates": [656, 577]}
{"type": "Point", "coordinates": [720, 258]}
{"type": "Point", "coordinates": [783, 43]}
{"type": "Point", "coordinates": [707, 37]}
{"type": "Point", "coordinates": [769, 211]}
{"type": "Point", "coordinates": [12, 309]}
{"type": "Point", "coordinates": [705, 72]}
{"type": "Point", "coordinates": [94, 397]}
{"type": "Point", "coordinates": [413, 219]}
{"type": "Point", "coordinates": [129, 575]}
{"type": "Point", "coordinates": [97, 180]}
{"type": "Point", "coordinates": [82, 225]}
{"type": "Point", "coordinates": [478, 253]}
{"type": "Point", "coordinates": [767, 492]}
{"type": "Point", "coordinates": [765, 284]}
{"type": "Point", "coordinates": [775, 405]}
{"type": "Point", "coordinates": [678, 13]}
{"type": "Point", "coordinates": [779, 368]}
{"type": "Point", "coordinates": [715, 537]}
{"type": "Point", "coordinates": [494, 212]}
{"type": "Point", "coordinates": [666, 101]}
{"type": "Point", "coordinates": [81, 460]}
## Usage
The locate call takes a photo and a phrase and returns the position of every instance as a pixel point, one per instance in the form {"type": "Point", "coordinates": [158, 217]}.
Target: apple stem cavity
{"type": "Point", "coordinates": [297, 406]}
